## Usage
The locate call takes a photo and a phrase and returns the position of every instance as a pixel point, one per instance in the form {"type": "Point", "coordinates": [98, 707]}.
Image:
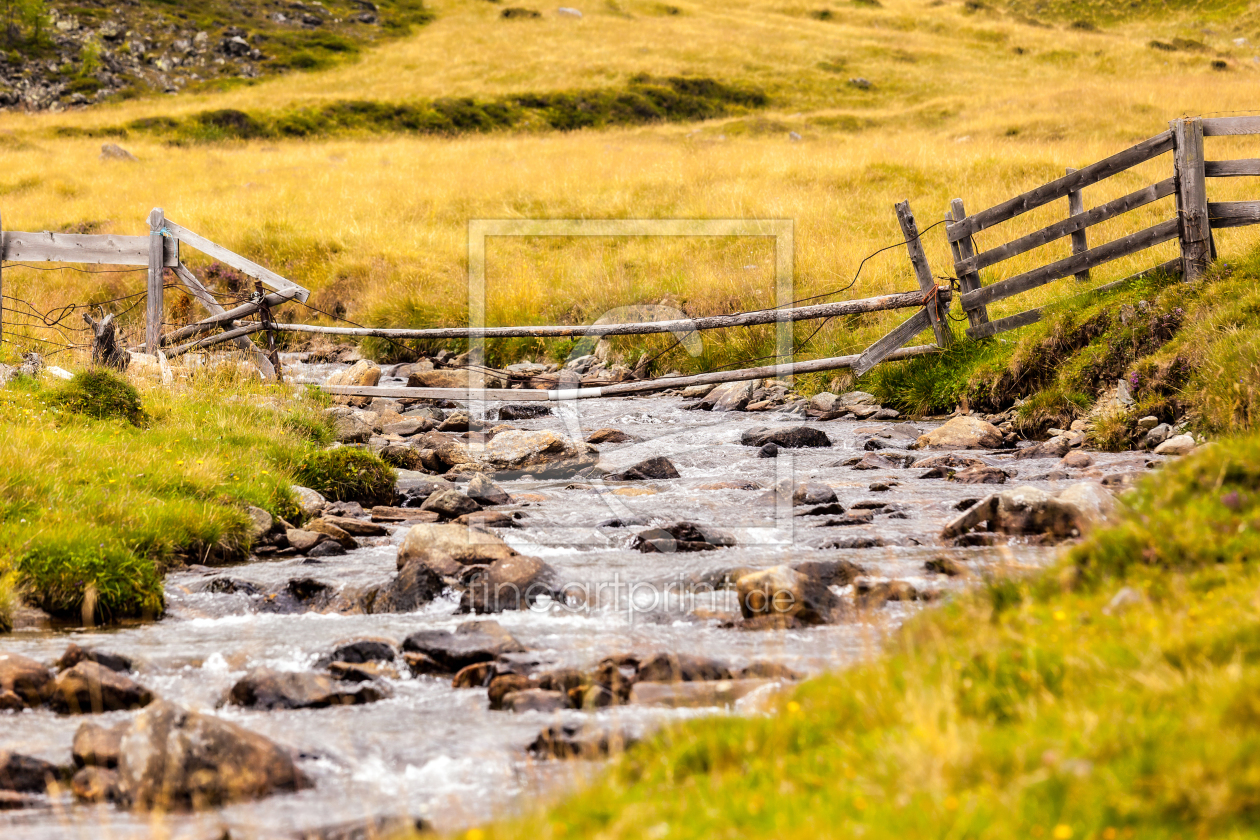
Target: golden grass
{"type": "Point", "coordinates": [378, 224]}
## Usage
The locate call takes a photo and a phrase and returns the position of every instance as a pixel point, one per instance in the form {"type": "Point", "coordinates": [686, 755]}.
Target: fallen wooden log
{"type": "Point", "coordinates": [902, 300]}
{"type": "Point", "coordinates": [216, 321]}
{"type": "Point", "coordinates": [622, 389]}
{"type": "Point", "coordinates": [230, 335]}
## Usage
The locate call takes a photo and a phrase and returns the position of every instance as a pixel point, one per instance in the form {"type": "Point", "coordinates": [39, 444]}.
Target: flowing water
{"type": "Point", "coordinates": [434, 752]}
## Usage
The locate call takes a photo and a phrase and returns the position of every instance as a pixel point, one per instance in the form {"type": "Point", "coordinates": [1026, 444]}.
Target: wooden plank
{"type": "Point", "coordinates": [1046, 235]}
{"type": "Point", "coordinates": [153, 311]}
{"type": "Point", "coordinates": [236, 335]}
{"type": "Point", "coordinates": [203, 296]}
{"type": "Point", "coordinates": [91, 249]}
{"type": "Point", "coordinates": [1113, 250]}
{"type": "Point", "coordinates": [1010, 322]}
{"type": "Point", "coordinates": [1226, 126]}
{"type": "Point", "coordinates": [902, 300]}
{"type": "Point", "coordinates": [1231, 168]}
{"type": "Point", "coordinates": [1227, 214]}
{"type": "Point", "coordinates": [882, 349]}
{"type": "Point", "coordinates": [624, 389]}
{"type": "Point", "coordinates": [268, 277]}
{"type": "Point", "coordinates": [968, 279]}
{"type": "Point", "coordinates": [923, 272]}
{"type": "Point", "coordinates": [214, 322]}
{"type": "Point", "coordinates": [1196, 233]}
{"type": "Point", "coordinates": [1092, 174]}
{"type": "Point", "coordinates": [1080, 240]}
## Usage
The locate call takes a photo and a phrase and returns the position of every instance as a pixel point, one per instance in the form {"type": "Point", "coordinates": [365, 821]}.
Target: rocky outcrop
{"type": "Point", "coordinates": [784, 591]}
{"type": "Point", "coordinates": [266, 688]}
{"type": "Point", "coordinates": [172, 759]}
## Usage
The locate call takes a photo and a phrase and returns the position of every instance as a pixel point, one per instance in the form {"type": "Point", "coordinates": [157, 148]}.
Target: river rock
{"type": "Point", "coordinates": [1022, 511]}
{"type": "Point", "coordinates": [681, 536]}
{"type": "Point", "coordinates": [356, 527]}
{"type": "Point", "coordinates": [787, 437]}
{"type": "Point", "coordinates": [302, 540]}
{"type": "Point", "coordinates": [671, 667]}
{"type": "Point", "coordinates": [831, 572]}
{"type": "Point", "coordinates": [883, 461]}
{"type": "Point", "coordinates": [414, 492]}
{"type": "Point", "coordinates": [948, 461]}
{"type": "Point", "coordinates": [89, 688]}
{"type": "Point", "coordinates": [449, 504]}
{"type": "Point", "coordinates": [415, 585]}
{"type": "Point", "coordinates": [872, 595]}
{"type": "Point", "coordinates": [97, 746]}
{"type": "Point", "coordinates": [98, 784]}
{"type": "Point", "coordinates": [584, 741]}
{"type": "Point", "coordinates": [783, 591]}
{"type": "Point", "coordinates": [1094, 502]}
{"type": "Point", "coordinates": [513, 583]}
{"type": "Point", "coordinates": [1157, 435]}
{"type": "Point", "coordinates": [1176, 446]}
{"type": "Point", "coordinates": [75, 654]}
{"type": "Point", "coordinates": [462, 378]}
{"type": "Point", "coordinates": [1077, 460]}
{"type": "Point", "coordinates": [409, 426]}
{"type": "Point", "coordinates": [523, 411]}
{"type": "Point", "coordinates": [483, 491]}
{"type": "Point", "coordinates": [541, 453]}
{"type": "Point", "coordinates": [448, 548]}
{"type": "Point", "coordinates": [25, 774]}
{"type": "Point", "coordinates": [535, 700]}
{"type": "Point", "coordinates": [261, 522]}
{"type": "Point", "coordinates": [979, 475]}
{"type": "Point", "coordinates": [173, 759]}
{"type": "Point", "coordinates": [472, 642]}
{"type": "Point", "coordinates": [962, 432]}
{"type": "Point", "coordinates": [729, 396]}
{"type": "Point", "coordinates": [322, 525]}
{"type": "Point", "coordinates": [347, 426]}
{"type": "Point", "coordinates": [694, 694]}
{"type": "Point", "coordinates": [1055, 447]}
{"type": "Point", "coordinates": [806, 492]}
{"type": "Point", "coordinates": [360, 650]}
{"type": "Point", "coordinates": [309, 501]}
{"type": "Point", "coordinates": [268, 689]}
{"type": "Point", "coordinates": [658, 468]}
{"type": "Point", "coordinates": [608, 436]}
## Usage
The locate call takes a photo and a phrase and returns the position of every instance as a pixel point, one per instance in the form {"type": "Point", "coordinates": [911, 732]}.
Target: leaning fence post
{"type": "Point", "coordinates": [1080, 241]}
{"type": "Point", "coordinates": [157, 259]}
{"type": "Point", "coordinates": [1192, 211]}
{"type": "Point", "coordinates": [918, 259]}
{"type": "Point", "coordinates": [964, 249]}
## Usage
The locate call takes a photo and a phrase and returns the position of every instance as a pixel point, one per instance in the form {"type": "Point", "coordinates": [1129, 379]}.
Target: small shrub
{"type": "Point", "coordinates": [347, 475]}
{"type": "Point", "coordinates": [101, 395]}
{"type": "Point", "coordinates": [75, 580]}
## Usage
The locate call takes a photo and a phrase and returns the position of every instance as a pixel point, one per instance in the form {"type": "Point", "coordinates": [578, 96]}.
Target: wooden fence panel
{"type": "Point", "coordinates": [90, 249]}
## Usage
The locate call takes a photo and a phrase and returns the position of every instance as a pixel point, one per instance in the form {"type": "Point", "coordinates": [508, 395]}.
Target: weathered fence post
{"type": "Point", "coordinates": [157, 259]}
{"type": "Point", "coordinates": [1192, 209]}
{"type": "Point", "coordinates": [918, 259]}
{"type": "Point", "coordinates": [1080, 240]}
{"type": "Point", "coordinates": [965, 249]}
{"type": "Point", "coordinates": [1, 284]}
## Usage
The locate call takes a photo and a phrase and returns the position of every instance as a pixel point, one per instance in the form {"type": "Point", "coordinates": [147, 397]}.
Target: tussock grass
{"type": "Point", "coordinates": [1030, 708]}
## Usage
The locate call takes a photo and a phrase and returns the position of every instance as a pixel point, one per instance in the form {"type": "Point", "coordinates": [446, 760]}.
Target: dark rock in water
{"type": "Point", "coordinates": [513, 583]}
{"type": "Point", "coordinates": [1056, 447]}
{"type": "Point", "coordinates": [343, 510]}
{"type": "Point", "coordinates": [807, 492]}
{"type": "Point", "coordinates": [75, 654]}
{"type": "Point", "coordinates": [883, 461]}
{"type": "Point", "coordinates": [13, 801]}
{"type": "Point", "coordinates": [717, 579]}
{"type": "Point", "coordinates": [790, 437]}
{"type": "Point", "coordinates": [26, 774]}
{"type": "Point", "coordinates": [880, 487]}
{"type": "Point", "coordinates": [535, 700]}
{"type": "Point", "coordinates": [831, 572]}
{"type": "Point", "coordinates": [979, 475]}
{"type": "Point", "coordinates": [834, 509]}
{"type": "Point", "coordinates": [770, 450]}
{"type": "Point", "coordinates": [360, 671]}
{"type": "Point", "coordinates": [23, 681]}
{"type": "Point", "coordinates": [483, 491]}
{"type": "Point", "coordinates": [328, 548]}
{"type": "Point", "coordinates": [963, 504]}
{"type": "Point", "coordinates": [938, 472]}
{"type": "Point", "coordinates": [651, 469]}
{"type": "Point", "coordinates": [176, 760]}
{"type": "Point", "coordinates": [945, 566]}
{"type": "Point", "coordinates": [857, 542]}
{"type": "Point", "coordinates": [875, 444]}
{"type": "Point", "coordinates": [414, 492]}
{"type": "Point", "coordinates": [853, 517]}
{"type": "Point", "coordinates": [98, 784]}
{"type": "Point", "coordinates": [503, 685]}
{"type": "Point", "coordinates": [360, 650]}
{"type": "Point", "coordinates": [768, 671]}
{"type": "Point", "coordinates": [782, 591]}
{"type": "Point", "coordinates": [488, 519]}
{"type": "Point", "coordinates": [266, 688]}
{"type": "Point", "coordinates": [449, 504]}
{"type": "Point", "coordinates": [523, 411]}
{"type": "Point", "coordinates": [585, 741]}
{"type": "Point", "coordinates": [870, 595]}
{"type": "Point", "coordinates": [472, 642]}
{"type": "Point", "coordinates": [608, 436]}
{"type": "Point", "coordinates": [477, 675]}
{"type": "Point", "coordinates": [949, 460]}
{"type": "Point", "coordinates": [624, 522]}
{"type": "Point", "coordinates": [681, 536]}
{"type": "Point", "coordinates": [415, 585]}
{"type": "Point", "coordinates": [670, 667]}
{"type": "Point", "coordinates": [89, 688]}
{"type": "Point", "coordinates": [97, 746]}
{"type": "Point", "coordinates": [231, 586]}
{"type": "Point", "coordinates": [1029, 511]}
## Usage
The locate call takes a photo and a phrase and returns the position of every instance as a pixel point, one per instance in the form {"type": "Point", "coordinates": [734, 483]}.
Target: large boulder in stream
{"type": "Point", "coordinates": [1028, 511]}
{"type": "Point", "coordinates": [23, 682]}
{"type": "Point", "coordinates": [415, 585]}
{"type": "Point", "coordinates": [90, 687]}
{"type": "Point", "coordinates": [266, 688]}
{"type": "Point", "coordinates": [787, 437]}
{"type": "Point", "coordinates": [172, 759]}
{"type": "Point", "coordinates": [448, 548]}
{"type": "Point", "coordinates": [782, 591]}
{"type": "Point", "coordinates": [540, 453]}
{"type": "Point", "coordinates": [441, 651]}
{"type": "Point", "coordinates": [961, 432]}
{"type": "Point", "coordinates": [513, 583]}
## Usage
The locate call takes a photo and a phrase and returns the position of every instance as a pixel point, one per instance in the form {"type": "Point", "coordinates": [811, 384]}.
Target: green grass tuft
{"type": "Point", "coordinates": [347, 475]}
{"type": "Point", "coordinates": [101, 395]}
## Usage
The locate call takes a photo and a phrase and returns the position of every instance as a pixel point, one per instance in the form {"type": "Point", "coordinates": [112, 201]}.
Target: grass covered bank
{"type": "Point", "coordinates": [1051, 707]}
{"type": "Point", "coordinates": [103, 487]}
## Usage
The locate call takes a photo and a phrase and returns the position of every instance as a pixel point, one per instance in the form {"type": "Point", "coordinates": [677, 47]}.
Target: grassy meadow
{"type": "Point", "coordinates": [964, 101]}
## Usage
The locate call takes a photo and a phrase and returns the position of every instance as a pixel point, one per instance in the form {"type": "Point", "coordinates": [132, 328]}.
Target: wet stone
{"type": "Point", "coordinates": [268, 689]}
{"type": "Point", "coordinates": [579, 741]}
{"type": "Point", "coordinates": [658, 468]}
{"type": "Point", "coordinates": [472, 642]}
{"type": "Point", "coordinates": [524, 411]}
{"type": "Point", "coordinates": [25, 774]}
{"type": "Point", "coordinates": [770, 450]}
{"type": "Point", "coordinates": [90, 688]}
{"type": "Point", "coordinates": [979, 475]}
{"type": "Point", "coordinates": [790, 437]}
{"type": "Point", "coordinates": [883, 461]}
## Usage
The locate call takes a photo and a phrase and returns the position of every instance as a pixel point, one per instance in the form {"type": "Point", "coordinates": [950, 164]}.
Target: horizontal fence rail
{"type": "Point", "coordinates": [89, 249]}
